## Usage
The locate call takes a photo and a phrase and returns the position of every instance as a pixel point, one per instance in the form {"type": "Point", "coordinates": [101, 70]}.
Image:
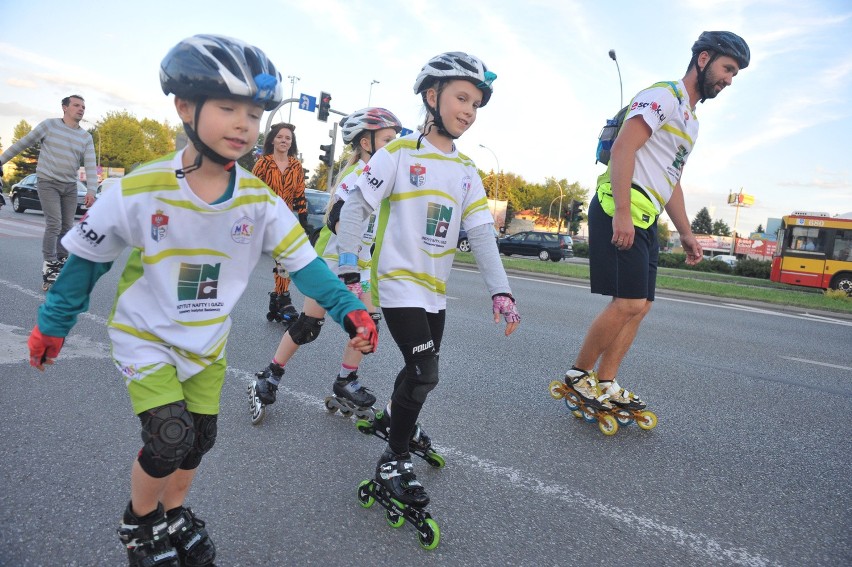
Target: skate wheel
{"type": "Point", "coordinates": [607, 424]}
{"type": "Point", "coordinates": [623, 417]}
{"type": "Point", "coordinates": [364, 426]}
{"type": "Point", "coordinates": [590, 414]}
{"type": "Point", "coordinates": [646, 420]}
{"type": "Point", "coordinates": [256, 409]}
{"type": "Point", "coordinates": [330, 405]}
{"type": "Point", "coordinates": [345, 411]}
{"type": "Point", "coordinates": [45, 287]}
{"type": "Point", "coordinates": [556, 390]}
{"type": "Point", "coordinates": [577, 413]}
{"type": "Point", "coordinates": [572, 402]}
{"type": "Point", "coordinates": [365, 497]}
{"type": "Point", "coordinates": [270, 317]}
{"type": "Point", "coordinates": [429, 535]}
{"type": "Point", "coordinates": [434, 459]}
{"type": "Point", "coordinates": [395, 519]}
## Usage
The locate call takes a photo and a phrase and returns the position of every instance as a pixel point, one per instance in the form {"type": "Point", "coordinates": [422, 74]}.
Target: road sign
{"type": "Point", "coordinates": [307, 102]}
{"type": "Point", "coordinates": [405, 132]}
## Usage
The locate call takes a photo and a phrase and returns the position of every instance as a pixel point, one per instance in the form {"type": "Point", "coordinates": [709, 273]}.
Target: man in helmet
{"type": "Point", "coordinates": [197, 225]}
{"type": "Point", "coordinates": [641, 180]}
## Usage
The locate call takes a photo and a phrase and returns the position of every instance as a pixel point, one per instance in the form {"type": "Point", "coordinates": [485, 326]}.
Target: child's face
{"type": "Point", "coordinates": [460, 100]}
{"type": "Point", "coordinates": [229, 127]}
{"type": "Point", "coordinates": [383, 137]}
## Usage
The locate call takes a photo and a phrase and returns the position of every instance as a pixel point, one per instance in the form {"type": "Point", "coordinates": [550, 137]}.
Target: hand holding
{"type": "Point", "coordinates": [43, 348]}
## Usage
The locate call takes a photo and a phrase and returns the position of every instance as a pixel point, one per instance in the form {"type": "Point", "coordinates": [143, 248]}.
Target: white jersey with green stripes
{"type": "Point", "coordinates": [326, 244]}
{"type": "Point", "coordinates": [674, 130]}
{"type": "Point", "coordinates": [423, 197]}
{"type": "Point", "coordinates": [190, 261]}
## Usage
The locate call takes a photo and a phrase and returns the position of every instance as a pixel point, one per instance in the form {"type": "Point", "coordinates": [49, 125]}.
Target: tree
{"type": "Point", "coordinates": [25, 162]}
{"type": "Point", "coordinates": [663, 235]}
{"type": "Point", "coordinates": [721, 228]}
{"type": "Point", "coordinates": [702, 223]}
{"type": "Point", "coordinates": [123, 141]}
{"type": "Point", "coordinates": [759, 228]}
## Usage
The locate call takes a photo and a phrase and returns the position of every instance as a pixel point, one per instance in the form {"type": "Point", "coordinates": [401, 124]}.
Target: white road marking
{"type": "Point", "coordinates": [806, 361]}
{"type": "Point", "coordinates": [13, 346]}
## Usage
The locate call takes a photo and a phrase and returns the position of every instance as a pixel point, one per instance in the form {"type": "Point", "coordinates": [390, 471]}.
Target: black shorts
{"type": "Point", "coordinates": [628, 274]}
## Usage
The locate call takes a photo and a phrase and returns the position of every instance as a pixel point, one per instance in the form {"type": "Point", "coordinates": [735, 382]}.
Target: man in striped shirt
{"type": "Point", "coordinates": [64, 147]}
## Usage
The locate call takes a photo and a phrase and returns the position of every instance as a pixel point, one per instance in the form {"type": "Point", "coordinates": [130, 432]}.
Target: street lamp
{"type": "Point", "coordinates": [620, 88]}
{"type": "Point", "coordinates": [293, 79]}
{"type": "Point", "coordinates": [370, 96]}
{"type": "Point", "coordinates": [497, 184]}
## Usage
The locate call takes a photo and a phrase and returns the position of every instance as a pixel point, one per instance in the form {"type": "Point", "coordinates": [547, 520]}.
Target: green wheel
{"type": "Point", "coordinates": [395, 519]}
{"type": "Point", "coordinates": [364, 426]}
{"type": "Point", "coordinates": [646, 420]}
{"type": "Point", "coordinates": [429, 535]}
{"type": "Point", "coordinates": [364, 497]}
{"type": "Point", "coordinates": [435, 460]}
{"type": "Point", "coordinates": [556, 389]}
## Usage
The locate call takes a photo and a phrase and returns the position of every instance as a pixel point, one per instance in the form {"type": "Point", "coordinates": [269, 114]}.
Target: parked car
{"type": "Point", "coordinates": [317, 203]}
{"type": "Point", "coordinates": [545, 245]}
{"type": "Point", "coordinates": [24, 195]}
{"type": "Point", "coordinates": [567, 245]}
{"type": "Point", "coordinates": [464, 244]}
{"type": "Point", "coordinates": [726, 258]}
{"type": "Point", "coordinates": [107, 184]}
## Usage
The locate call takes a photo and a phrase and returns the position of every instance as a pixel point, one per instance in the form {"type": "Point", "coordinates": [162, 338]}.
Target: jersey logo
{"type": "Point", "coordinates": [198, 281]}
{"type": "Point", "coordinates": [159, 226]}
{"type": "Point", "coordinates": [242, 230]}
{"type": "Point", "coordinates": [417, 175]}
{"type": "Point", "coordinates": [438, 220]}
{"type": "Point", "coordinates": [465, 185]}
{"type": "Point", "coordinates": [680, 158]}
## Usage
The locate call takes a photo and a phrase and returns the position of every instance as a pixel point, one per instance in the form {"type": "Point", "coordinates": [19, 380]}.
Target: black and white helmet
{"type": "Point", "coordinates": [372, 118]}
{"type": "Point", "coordinates": [723, 43]}
{"type": "Point", "coordinates": [214, 66]}
{"type": "Point", "coordinates": [456, 65]}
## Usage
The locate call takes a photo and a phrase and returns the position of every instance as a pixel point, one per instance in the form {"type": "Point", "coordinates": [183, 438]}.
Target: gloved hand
{"type": "Point", "coordinates": [352, 280]}
{"type": "Point", "coordinates": [359, 324]}
{"type": "Point", "coordinates": [504, 304]}
{"type": "Point", "coordinates": [43, 348]}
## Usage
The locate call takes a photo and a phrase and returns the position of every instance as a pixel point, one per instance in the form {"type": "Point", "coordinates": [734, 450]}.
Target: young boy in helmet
{"type": "Point", "coordinates": [197, 225]}
{"type": "Point", "coordinates": [642, 179]}
{"type": "Point", "coordinates": [366, 130]}
{"type": "Point", "coordinates": [423, 190]}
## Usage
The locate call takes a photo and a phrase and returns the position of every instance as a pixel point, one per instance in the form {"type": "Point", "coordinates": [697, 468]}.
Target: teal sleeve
{"type": "Point", "coordinates": [69, 295]}
{"type": "Point", "coordinates": [319, 283]}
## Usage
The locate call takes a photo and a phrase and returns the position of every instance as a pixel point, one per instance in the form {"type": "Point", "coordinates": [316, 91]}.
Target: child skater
{"type": "Point", "coordinates": [196, 225]}
{"type": "Point", "coordinates": [366, 130]}
{"type": "Point", "coordinates": [423, 191]}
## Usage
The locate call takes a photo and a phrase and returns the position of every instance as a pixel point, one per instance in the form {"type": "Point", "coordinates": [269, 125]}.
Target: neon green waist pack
{"type": "Point", "coordinates": [642, 210]}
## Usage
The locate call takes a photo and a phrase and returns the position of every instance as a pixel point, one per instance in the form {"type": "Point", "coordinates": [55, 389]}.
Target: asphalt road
{"type": "Point", "coordinates": [749, 464]}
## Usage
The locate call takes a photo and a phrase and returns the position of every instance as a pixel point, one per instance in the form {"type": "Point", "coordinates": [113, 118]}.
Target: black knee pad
{"type": "Point", "coordinates": [205, 438]}
{"type": "Point", "coordinates": [377, 318]}
{"type": "Point", "coordinates": [421, 377]}
{"type": "Point", "coordinates": [168, 434]}
{"type": "Point", "coordinates": [305, 329]}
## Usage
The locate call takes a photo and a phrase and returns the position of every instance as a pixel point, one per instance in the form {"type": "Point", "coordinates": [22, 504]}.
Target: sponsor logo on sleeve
{"type": "Point", "coordinates": [373, 181]}
{"type": "Point", "coordinates": [88, 234]}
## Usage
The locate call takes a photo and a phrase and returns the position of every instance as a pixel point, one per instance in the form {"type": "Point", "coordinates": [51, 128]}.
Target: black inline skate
{"type": "Point", "coordinates": [397, 490]}
{"type": "Point", "coordinates": [190, 538]}
{"type": "Point", "coordinates": [281, 309]}
{"type": "Point", "coordinates": [262, 391]}
{"type": "Point", "coordinates": [49, 272]}
{"type": "Point", "coordinates": [147, 539]}
{"type": "Point", "coordinates": [350, 398]}
{"type": "Point", "coordinates": [420, 444]}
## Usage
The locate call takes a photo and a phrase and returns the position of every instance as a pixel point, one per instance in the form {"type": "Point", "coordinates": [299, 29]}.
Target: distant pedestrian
{"type": "Point", "coordinates": [64, 147]}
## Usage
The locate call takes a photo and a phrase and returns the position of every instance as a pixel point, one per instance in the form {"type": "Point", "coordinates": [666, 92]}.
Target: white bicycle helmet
{"type": "Point", "coordinates": [214, 66]}
{"type": "Point", "coordinates": [372, 118]}
{"type": "Point", "coordinates": [456, 65]}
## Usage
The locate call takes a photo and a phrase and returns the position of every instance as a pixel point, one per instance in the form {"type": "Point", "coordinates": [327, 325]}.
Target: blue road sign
{"type": "Point", "coordinates": [405, 132]}
{"type": "Point", "coordinates": [307, 102]}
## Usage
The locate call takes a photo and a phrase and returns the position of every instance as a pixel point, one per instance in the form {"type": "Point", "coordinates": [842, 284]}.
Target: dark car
{"type": "Point", "coordinates": [24, 195]}
{"type": "Point", "coordinates": [464, 243]}
{"type": "Point", "coordinates": [317, 201]}
{"type": "Point", "coordinates": [545, 245]}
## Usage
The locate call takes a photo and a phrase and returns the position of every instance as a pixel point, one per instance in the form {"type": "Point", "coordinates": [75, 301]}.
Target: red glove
{"type": "Point", "coordinates": [43, 348]}
{"type": "Point", "coordinates": [360, 323]}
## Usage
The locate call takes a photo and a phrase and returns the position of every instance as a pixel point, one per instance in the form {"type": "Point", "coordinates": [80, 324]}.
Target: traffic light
{"type": "Point", "coordinates": [576, 210]}
{"type": "Point", "coordinates": [324, 106]}
{"type": "Point", "coordinates": [327, 157]}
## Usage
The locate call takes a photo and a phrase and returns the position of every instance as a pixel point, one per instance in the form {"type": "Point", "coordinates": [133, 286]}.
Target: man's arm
{"type": "Point", "coordinates": [31, 139]}
{"type": "Point", "coordinates": [633, 135]}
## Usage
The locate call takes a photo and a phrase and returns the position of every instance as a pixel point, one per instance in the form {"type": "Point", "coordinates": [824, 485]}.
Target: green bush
{"type": "Point", "coordinates": [751, 268]}
{"type": "Point", "coordinates": [671, 260]}
{"type": "Point", "coordinates": [581, 249]}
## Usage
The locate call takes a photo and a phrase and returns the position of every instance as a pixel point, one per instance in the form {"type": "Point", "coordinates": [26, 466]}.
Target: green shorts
{"type": "Point", "coordinates": [160, 386]}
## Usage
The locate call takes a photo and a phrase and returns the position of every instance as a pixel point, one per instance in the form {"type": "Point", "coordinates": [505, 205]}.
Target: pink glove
{"type": "Point", "coordinates": [43, 348]}
{"type": "Point", "coordinates": [505, 305]}
{"type": "Point", "coordinates": [360, 323]}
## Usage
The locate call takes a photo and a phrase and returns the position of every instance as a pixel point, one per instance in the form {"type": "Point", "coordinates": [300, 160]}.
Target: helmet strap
{"type": "Point", "coordinates": [202, 148]}
{"type": "Point", "coordinates": [702, 72]}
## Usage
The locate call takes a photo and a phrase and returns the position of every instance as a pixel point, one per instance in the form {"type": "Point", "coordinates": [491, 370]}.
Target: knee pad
{"type": "Point", "coordinates": [168, 434]}
{"type": "Point", "coordinates": [205, 437]}
{"type": "Point", "coordinates": [305, 329]}
{"type": "Point", "coordinates": [377, 318]}
{"type": "Point", "coordinates": [421, 377]}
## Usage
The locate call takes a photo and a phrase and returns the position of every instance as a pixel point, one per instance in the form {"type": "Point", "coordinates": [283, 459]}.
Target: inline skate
{"type": "Point", "coordinates": [262, 391]}
{"type": "Point", "coordinates": [147, 539]}
{"type": "Point", "coordinates": [50, 271]}
{"type": "Point", "coordinates": [351, 398]}
{"type": "Point", "coordinates": [397, 490]}
{"type": "Point", "coordinates": [420, 444]}
{"type": "Point", "coordinates": [190, 539]}
{"type": "Point", "coordinates": [281, 309]}
{"type": "Point", "coordinates": [584, 398]}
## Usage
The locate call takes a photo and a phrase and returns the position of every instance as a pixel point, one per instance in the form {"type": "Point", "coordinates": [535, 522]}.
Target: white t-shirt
{"type": "Point", "coordinates": [326, 244]}
{"type": "Point", "coordinates": [190, 261]}
{"type": "Point", "coordinates": [674, 129]}
{"type": "Point", "coordinates": [423, 197]}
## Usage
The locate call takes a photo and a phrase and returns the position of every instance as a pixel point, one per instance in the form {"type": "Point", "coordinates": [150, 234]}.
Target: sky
{"type": "Point", "coordinates": [781, 132]}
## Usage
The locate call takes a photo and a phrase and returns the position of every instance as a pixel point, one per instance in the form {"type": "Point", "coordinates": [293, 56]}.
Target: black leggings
{"type": "Point", "coordinates": [418, 335]}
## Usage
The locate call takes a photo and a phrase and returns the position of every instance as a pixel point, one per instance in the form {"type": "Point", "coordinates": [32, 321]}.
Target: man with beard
{"type": "Point", "coordinates": [642, 179]}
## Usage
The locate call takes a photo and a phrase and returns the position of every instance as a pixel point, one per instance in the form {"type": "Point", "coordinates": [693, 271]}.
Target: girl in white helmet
{"type": "Point", "coordinates": [423, 191]}
{"type": "Point", "coordinates": [366, 131]}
